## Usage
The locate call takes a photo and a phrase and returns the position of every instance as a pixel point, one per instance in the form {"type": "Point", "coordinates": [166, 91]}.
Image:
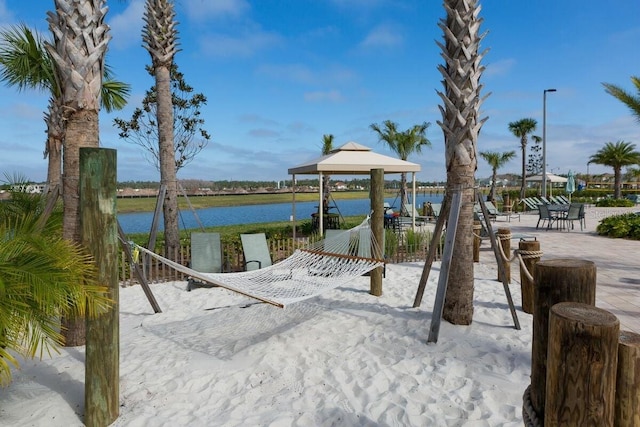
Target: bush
{"type": "Point", "coordinates": [614, 203]}
{"type": "Point", "coordinates": [621, 226]}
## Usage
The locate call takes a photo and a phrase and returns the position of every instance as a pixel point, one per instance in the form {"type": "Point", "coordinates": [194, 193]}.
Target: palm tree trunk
{"type": "Point", "coordinates": [461, 126]}
{"type": "Point", "coordinates": [82, 131]}
{"type": "Point", "coordinates": [167, 161]}
{"type": "Point", "coordinates": [523, 187]}
{"type": "Point", "coordinates": [617, 183]}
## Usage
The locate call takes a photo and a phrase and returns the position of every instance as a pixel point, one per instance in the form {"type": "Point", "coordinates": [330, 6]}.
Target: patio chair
{"type": "Point", "coordinates": [206, 256]}
{"type": "Point", "coordinates": [409, 211]}
{"type": "Point", "coordinates": [530, 203]}
{"type": "Point", "coordinates": [545, 215]}
{"type": "Point", "coordinates": [573, 214]}
{"type": "Point", "coordinates": [256, 251]}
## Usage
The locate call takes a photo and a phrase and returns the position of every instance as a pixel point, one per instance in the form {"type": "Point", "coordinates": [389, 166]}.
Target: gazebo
{"type": "Point", "coordinates": [350, 159]}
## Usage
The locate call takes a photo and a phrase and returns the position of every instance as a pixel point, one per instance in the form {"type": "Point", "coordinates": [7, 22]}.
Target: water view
{"type": "Point", "coordinates": [140, 222]}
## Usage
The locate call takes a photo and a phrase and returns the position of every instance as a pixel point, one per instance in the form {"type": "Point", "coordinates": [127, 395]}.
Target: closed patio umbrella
{"type": "Point", "coordinates": [571, 184]}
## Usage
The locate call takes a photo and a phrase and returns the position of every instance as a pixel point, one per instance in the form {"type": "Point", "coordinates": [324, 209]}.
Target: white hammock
{"type": "Point", "coordinates": [308, 272]}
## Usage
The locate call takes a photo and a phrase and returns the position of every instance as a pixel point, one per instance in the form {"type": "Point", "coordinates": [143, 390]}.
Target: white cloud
{"type": "Point", "coordinates": [199, 10]}
{"type": "Point", "coordinates": [6, 17]}
{"type": "Point", "coordinates": [499, 68]}
{"type": "Point", "coordinates": [126, 28]}
{"type": "Point", "coordinates": [244, 45]}
{"type": "Point", "coordinates": [320, 96]}
{"type": "Point", "coordinates": [384, 36]}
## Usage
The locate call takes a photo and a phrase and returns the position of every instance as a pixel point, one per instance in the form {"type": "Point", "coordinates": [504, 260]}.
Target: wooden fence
{"type": "Point", "coordinates": [398, 249]}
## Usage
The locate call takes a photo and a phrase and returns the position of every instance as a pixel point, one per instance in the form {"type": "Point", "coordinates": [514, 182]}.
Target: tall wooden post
{"type": "Point", "coordinates": [504, 240]}
{"type": "Point", "coordinates": [556, 280]}
{"type": "Point", "coordinates": [530, 261]}
{"type": "Point", "coordinates": [99, 232]}
{"type": "Point", "coordinates": [377, 227]}
{"type": "Point", "coordinates": [582, 363]}
{"type": "Point", "coordinates": [628, 380]}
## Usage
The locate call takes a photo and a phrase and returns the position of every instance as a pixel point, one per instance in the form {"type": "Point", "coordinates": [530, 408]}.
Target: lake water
{"type": "Point", "coordinates": [231, 215]}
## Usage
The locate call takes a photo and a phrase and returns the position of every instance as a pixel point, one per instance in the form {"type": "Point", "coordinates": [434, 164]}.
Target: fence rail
{"type": "Point", "coordinates": [398, 250]}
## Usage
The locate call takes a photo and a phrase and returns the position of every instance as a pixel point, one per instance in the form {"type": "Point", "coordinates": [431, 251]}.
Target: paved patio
{"type": "Point", "coordinates": [617, 260]}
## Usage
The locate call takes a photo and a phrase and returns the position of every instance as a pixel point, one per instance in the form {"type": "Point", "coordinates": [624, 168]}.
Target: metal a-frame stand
{"type": "Point", "coordinates": [52, 199]}
{"type": "Point", "coordinates": [453, 214]}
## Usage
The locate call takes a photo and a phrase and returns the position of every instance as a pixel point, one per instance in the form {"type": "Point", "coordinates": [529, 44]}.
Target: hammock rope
{"type": "Point", "coordinates": [308, 272]}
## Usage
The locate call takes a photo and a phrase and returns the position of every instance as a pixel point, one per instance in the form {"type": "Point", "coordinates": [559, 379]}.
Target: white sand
{"type": "Point", "coordinates": [345, 358]}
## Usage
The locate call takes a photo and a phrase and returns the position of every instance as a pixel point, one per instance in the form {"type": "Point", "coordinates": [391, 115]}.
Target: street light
{"type": "Point", "coordinates": [544, 141]}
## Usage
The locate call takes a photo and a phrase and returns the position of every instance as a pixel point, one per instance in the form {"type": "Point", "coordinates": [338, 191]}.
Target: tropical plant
{"type": "Point", "coordinates": [44, 278]}
{"type": "Point", "coordinates": [627, 98]}
{"type": "Point", "coordinates": [327, 147]}
{"type": "Point", "coordinates": [496, 160]}
{"type": "Point", "coordinates": [461, 125]}
{"type": "Point", "coordinates": [80, 39]}
{"type": "Point", "coordinates": [142, 129]}
{"type": "Point", "coordinates": [26, 64]}
{"type": "Point", "coordinates": [521, 129]}
{"type": "Point", "coordinates": [616, 155]}
{"type": "Point", "coordinates": [160, 39]}
{"type": "Point", "coordinates": [620, 226]}
{"type": "Point", "coordinates": [404, 144]}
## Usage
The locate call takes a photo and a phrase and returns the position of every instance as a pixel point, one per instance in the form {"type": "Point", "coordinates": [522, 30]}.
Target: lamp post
{"type": "Point", "coordinates": [544, 141]}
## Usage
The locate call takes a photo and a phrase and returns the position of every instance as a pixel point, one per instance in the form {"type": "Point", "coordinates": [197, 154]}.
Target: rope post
{"type": "Point", "coordinates": [504, 237]}
{"type": "Point", "coordinates": [477, 229]}
{"type": "Point", "coordinates": [582, 362]}
{"type": "Point", "coordinates": [555, 281]}
{"type": "Point", "coordinates": [628, 380]}
{"type": "Point", "coordinates": [529, 251]}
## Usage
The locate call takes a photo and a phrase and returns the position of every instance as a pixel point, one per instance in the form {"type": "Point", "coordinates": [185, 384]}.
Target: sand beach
{"type": "Point", "coordinates": [345, 358]}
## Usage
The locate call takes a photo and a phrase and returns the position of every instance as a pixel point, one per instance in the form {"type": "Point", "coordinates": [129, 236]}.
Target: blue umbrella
{"type": "Point", "coordinates": [571, 184]}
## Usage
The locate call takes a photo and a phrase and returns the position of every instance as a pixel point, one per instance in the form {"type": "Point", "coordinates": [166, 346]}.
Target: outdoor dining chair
{"type": "Point", "coordinates": [545, 215]}
{"type": "Point", "coordinates": [573, 214]}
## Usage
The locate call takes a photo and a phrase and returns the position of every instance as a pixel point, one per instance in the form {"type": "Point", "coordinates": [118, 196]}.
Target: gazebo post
{"type": "Point", "coordinates": [320, 207]}
{"type": "Point", "coordinates": [293, 202]}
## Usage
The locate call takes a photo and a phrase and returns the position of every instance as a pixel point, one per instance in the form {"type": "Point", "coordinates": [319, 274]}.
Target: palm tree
{"type": "Point", "coordinates": [160, 37]}
{"type": "Point", "coordinates": [496, 161]}
{"type": "Point", "coordinates": [616, 155]}
{"type": "Point", "coordinates": [461, 125]}
{"type": "Point", "coordinates": [327, 147]}
{"type": "Point", "coordinates": [44, 278]}
{"type": "Point", "coordinates": [522, 128]}
{"type": "Point", "coordinates": [26, 64]}
{"type": "Point", "coordinates": [403, 144]}
{"type": "Point", "coordinates": [630, 100]}
{"type": "Point", "coordinates": [80, 39]}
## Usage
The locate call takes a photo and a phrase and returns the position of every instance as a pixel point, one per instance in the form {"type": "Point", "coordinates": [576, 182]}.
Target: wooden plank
{"type": "Point", "coordinates": [499, 261]}
{"type": "Point", "coordinates": [447, 255]}
{"type": "Point", "coordinates": [431, 255]}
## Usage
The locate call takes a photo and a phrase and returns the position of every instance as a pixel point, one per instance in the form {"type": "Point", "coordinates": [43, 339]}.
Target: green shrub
{"type": "Point", "coordinates": [621, 226]}
{"type": "Point", "coordinates": [617, 203]}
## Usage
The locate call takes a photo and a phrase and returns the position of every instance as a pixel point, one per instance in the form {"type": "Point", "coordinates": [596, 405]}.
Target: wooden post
{"type": "Point", "coordinates": [627, 412]}
{"type": "Point", "coordinates": [556, 280]}
{"type": "Point", "coordinates": [99, 233]}
{"type": "Point", "coordinates": [477, 229]}
{"type": "Point", "coordinates": [582, 363]}
{"type": "Point", "coordinates": [530, 261]}
{"type": "Point", "coordinates": [377, 227]}
{"type": "Point", "coordinates": [504, 240]}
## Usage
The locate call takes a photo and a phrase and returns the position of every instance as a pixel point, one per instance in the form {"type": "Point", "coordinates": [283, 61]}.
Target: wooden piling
{"type": "Point", "coordinates": [627, 412]}
{"type": "Point", "coordinates": [504, 240]}
{"type": "Point", "coordinates": [377, 227]}
{"type": "Point", "coordinates": [555, 281]}
{"type": "Point", "coordinates": [477, 229]}
{"type": "Point", "coordinates": [582, 363]}
{"type": "Point", "coordinates": [526, 283]}
{"type": "Point", "coordinates": [99, 234]}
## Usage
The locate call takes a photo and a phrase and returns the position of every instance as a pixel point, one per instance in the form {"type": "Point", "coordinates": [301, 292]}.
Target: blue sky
{"type": "Point", "coordinates": [280, 74]}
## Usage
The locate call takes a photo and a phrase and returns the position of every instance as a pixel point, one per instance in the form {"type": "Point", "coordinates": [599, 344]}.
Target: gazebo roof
{"type": "Point", "coordinates": [353, 159]}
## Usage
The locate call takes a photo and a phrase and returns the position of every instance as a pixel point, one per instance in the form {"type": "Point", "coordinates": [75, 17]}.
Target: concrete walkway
{"type": "Point", "coordinates": [617, 260]}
